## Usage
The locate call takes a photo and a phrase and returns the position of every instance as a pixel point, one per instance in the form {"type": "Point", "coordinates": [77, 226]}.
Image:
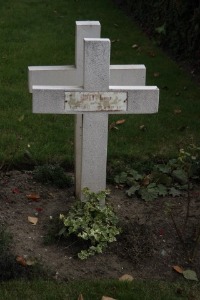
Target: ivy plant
{"type": "Point", "coordinates": [91, 222]}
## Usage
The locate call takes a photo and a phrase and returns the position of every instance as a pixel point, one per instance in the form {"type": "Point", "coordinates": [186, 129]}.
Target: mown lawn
{"type": "Point", "coordinates": [36, 32]}
{"type": "Point", "coordinates": [137, 290]}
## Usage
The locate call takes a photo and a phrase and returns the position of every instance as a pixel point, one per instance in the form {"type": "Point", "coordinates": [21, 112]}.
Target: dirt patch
{"type": "Point", "coordinates": [147, 248]}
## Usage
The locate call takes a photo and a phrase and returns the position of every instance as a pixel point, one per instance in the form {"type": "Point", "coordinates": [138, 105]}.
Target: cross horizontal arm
{"type": "Point", "coordinates": [74, 100]}
{"type": "Point", "coordinates": [61, 75]}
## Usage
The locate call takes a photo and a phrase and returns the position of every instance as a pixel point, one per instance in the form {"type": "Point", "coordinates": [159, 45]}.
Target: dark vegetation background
{"type": "Point", "coordinates": [174, 24]}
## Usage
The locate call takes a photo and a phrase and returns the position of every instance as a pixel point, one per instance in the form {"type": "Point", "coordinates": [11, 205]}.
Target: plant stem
{"type": "Point", "coordinates": [177, 229]}
{"type": "Point", "coordinates": [196, 244]}
{"type": "Point", "coordinates": [188, 207]}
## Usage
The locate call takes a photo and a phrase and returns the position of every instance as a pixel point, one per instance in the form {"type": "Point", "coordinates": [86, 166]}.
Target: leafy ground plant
{"type": "Point", "coordinates": [91, 222]}
{"type": "Point", "coordinates": [174, 178]}
{"type": "Point", "coordinates": [169, 179]}
{"type": "Point", "coordinates": [190, 164]}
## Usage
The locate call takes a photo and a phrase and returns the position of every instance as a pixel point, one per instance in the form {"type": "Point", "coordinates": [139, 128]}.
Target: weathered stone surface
{"type": "Point", "coordinates": [94, 88]}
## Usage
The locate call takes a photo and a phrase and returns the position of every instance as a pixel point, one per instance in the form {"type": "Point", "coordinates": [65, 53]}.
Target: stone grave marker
{"type": "Point", "coordinates": [123, 75]}
{"type": "Point", "coordinates": [96, 98]}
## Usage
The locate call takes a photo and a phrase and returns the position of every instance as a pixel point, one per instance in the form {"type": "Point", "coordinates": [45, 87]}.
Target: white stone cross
{"type": "Point", "coordinates": [102, 99]}
{"type": "Point", "coordinates": [73, 76]}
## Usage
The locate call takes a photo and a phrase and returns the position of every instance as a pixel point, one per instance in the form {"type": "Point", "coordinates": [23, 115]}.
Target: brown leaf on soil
{"type": "Point", "coordinates": [21, 261]}
{"type": "Point", "coordinates": [33, 197]}
{"type": "Point", "coordinates": [33, 220]}
{"type": "Point", "coordinates": [126, 277]}
{"type": "Point", "coordinates": [178, 269]}
{"type": "Point", "coordinates": [80, 297]}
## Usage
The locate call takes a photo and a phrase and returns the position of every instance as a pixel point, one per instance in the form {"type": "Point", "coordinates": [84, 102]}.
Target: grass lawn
{"type": "Point", "coordinates": [136, 290]}
{"type": "Point", "coordinates": [42, 33]}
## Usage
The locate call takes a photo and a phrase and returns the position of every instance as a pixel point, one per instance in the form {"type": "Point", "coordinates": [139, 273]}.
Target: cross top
{"type": "Point", "coordinates": [94, 99]}
{"type": "Point", "coordinates": [96, 95]}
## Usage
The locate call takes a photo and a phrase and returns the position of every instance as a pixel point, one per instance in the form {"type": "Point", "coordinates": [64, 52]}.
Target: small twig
{"type": "Point", "coordinates": [71, 244]}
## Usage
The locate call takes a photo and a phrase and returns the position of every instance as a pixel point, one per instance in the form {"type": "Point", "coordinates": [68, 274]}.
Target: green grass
{"type": "Point", "coordinates": [137, 290]}
{"type": "Point", "coordinates": [34, 32]}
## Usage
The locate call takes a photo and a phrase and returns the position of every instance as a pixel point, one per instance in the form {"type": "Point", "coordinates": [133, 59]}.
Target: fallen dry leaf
{"type": "Point", "coordinates": [107, 298]}
{"type": "Point", "coordinates": [177, 111]}
{"type": "Point", "coordinates": [146, 180]}
{"type": "Point", "coordinates": [135, 46]}
{"type": "Point", "coordinates": [151, 53]}
{"type": "Point", "coordinates": [119, 122]}
{"type": "Point", "coordinates": [21, 260]}
{"type": "Point", "coordinates": [178, 269]}
{"type": "Point", "coordinates": [33, 220]}
{"type": "Point", "coordinates": [80, 297]}
{"type": "Point", "coordinates": [114, 41]}
{"type": "Point", "coordinates": [33, 197]}
{"type": "Point", "coordinates": [142, 127]}
{"type": "Point", "coordinates": [156, 74]}
{"type": "Point", "coordinates": [190, 275]}
{"type": "Point", "coordinates": [126, 277]}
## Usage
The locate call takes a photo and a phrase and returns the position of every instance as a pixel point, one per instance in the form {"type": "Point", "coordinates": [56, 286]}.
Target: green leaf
{"type": "Point", "coordinates": [190, 275]}
{"type": "Point", "coordinates": [62, 231]}
{"type": "Point", "coordinates": [152, 185]}
{"type": "Point", "coordinates": [162, 190]}
{"type": "Point", "coordinates": [130, 192]}
{"type": "Point", "coordinates": [173, 162]}
{"type": "Point", "coordinates": [174, 192]}
{"type": "Point", "coordinates": [148, 194]}
{"type": "Point", "coordinates": [180, 175]}
{"type": "Point", "coordinates": [135, 175]}
{"type": "Point", "coordinates": [162, 178]}
{"type": "Point", "coordinates": [161, 29]}
{"type": "Point", "coordinates": [121, 178]}
{"type": "Point", "coordinates": [130, 181]}
{"type": "Point", "coordinates": [163, 168]}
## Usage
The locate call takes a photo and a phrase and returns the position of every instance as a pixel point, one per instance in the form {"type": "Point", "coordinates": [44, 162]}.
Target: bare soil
{"type": "Point", "coordinates": [147, 248]}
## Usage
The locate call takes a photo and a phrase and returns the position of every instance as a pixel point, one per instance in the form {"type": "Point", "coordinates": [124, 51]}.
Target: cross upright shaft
{"type": "Point", "coordinates": [96, 78]}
